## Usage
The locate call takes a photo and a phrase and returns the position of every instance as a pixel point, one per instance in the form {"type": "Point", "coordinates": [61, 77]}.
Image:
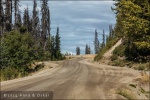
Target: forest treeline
{"type": "Point", "coordinates": [107, 42]}
{"type": "Point", "coordinates": [132, 25]}
{"type": "Point", "coordinates": [97, 45]}
{"type": "Point", "coordinates": [26, 39]}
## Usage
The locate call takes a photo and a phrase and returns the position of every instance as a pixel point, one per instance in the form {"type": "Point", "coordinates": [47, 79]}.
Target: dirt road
{"type": "Point", "coordinates": [78, 78]}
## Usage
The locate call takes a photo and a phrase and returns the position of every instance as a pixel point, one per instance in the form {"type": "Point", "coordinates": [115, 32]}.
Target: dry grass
{"type": "Point", "coordinates": [144, 79]}
{"type": "Point", "coordinates": [126, 93]}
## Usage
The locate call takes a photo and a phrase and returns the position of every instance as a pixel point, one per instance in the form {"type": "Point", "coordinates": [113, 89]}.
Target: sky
{"type": "Point", "coordinates": [77, 21]}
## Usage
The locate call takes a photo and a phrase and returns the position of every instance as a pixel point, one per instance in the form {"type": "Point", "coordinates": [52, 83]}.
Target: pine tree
{"type": "Point", "coordinates": [87, 49]}
{"type": "Point", "coordinates": [39, 33]}
{"type": "Point", "coordinates": [45, 22]}
{"type": "Point", "coordinates": [30, 24]}
{"type": "Point", "coordinates": [1, 18]}
{"type": "Point", "coordinates": [77, 50]}
{"type": "Point", "coordinates": [107, 39]}
{"type": "Point", "coordinates": [111, 33]}
{"type": "Point", "coordinates": [53, 48]}
{"type": "Point", "coordinates": [26, 19]}
{"type": "Point", "coordinates": [98, 45]}
{"type": "Point", "coordinates": [49, 22]}
{"type": "Point", "coordinates": [96, 42]}
{"type": "Point", "coordinates": [103, 43]}
{"type": "Point", "coordinates": [57, 47]}
{"type": "Point", "coordinates": [8, 15]}
{"type": "Point", "coordinates": [16, 12]}
{"type": "Point", "coordinates": [35, 20]}
{"type": "Point", "coordinates": [19, 20]}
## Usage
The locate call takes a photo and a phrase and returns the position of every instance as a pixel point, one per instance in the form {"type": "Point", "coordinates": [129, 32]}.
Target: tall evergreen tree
{"type": "Point", "coordinates": [110, 32]}
{"type": "Point", "coordinates": [1, 18]}
{"type": "Point", "coordinates": [30, 24]}
{"type": "Point", "coordinates": [98, 45]}
{"type": "Point", "coordinates": [19, 20]}
{"type": "Point", "coordinates": [8, 15]}
{"type": "Point", "coordinates": [35, 20]}
{"type": "Point", "coordinates": [103, 43]}
{"type": "Point", "coordinates": [45, 22]}
{"type": "Point", "coordinates": [77, 50]}
{"type": "Point", "coordinates": [87, 49]}
{"type": "Point", "coordinates": [53, 48]}
{"type": "Point", "coordinates": [96, 42]}
{"type": "Point", "coordinates": [49, 22]}
{"type": "Point", "coordinates": [16, 11]}
{"type": "Point", "coordinates": [107, 38]}
{"type": "Point", "coordinates": [26, 19]}
{"type": "Point", "coordinates": [57, 47]}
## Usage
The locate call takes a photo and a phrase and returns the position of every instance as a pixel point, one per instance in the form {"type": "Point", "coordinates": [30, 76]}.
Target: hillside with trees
{"type": "Point", "coordinates": [107, 42]}
{"type": "Point", "coordinates": [27, 39]}
{"type": "Point", "coordinates": [132, 26]}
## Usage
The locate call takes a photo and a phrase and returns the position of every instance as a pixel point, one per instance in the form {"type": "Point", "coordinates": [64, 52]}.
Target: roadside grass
{"type": "Point", "coordinates": [113, 57]}
{"type": "Point", "coordinates": [142, 66]}
{"type": "Point", "coordinates": [118, 59]}
{"type": "Point", "coordinates": [146, 93]}
{"type": "Point", "coordinates": [142, 90]}
{"type": "Point", "coordinates": [145, 78]}
{"type": "Point", "coordinates": [126, 93]}
{"type": "Point", "coordinates": [68, 57]}
{"type": "Point", "coordinates": [143, 81]}
{"type": "Point", "coordinates": [118, 62]}
{"type": "Point", "coordinates": [10, 73]}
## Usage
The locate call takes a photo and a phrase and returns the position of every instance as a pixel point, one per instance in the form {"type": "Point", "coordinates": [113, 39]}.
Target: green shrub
{"type": "Point", "coordinates": [120, 63]}
{"type": "Point", "coordinates": [141, 67]}
{"type": "Point", "coordinates": [8, 73]}
{"type": "Point", "coordinates": [23, 29]}
{"type": "Point", "coordinates": [16, 50]}
{"type": "Point", "coordinates": [129, 64]}
{"type": "Point", "coordinates": [114, 57]}
{"type": "Point", "coordinates": [120, 50]}
{"type": "Point", "coordinates": [38, 67]}
{"type": "Point", "coordinates": [147, 66]}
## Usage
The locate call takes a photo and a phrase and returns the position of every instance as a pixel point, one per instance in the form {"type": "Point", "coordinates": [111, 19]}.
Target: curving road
{"type": "Point", "coordinates": [78, 78]}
